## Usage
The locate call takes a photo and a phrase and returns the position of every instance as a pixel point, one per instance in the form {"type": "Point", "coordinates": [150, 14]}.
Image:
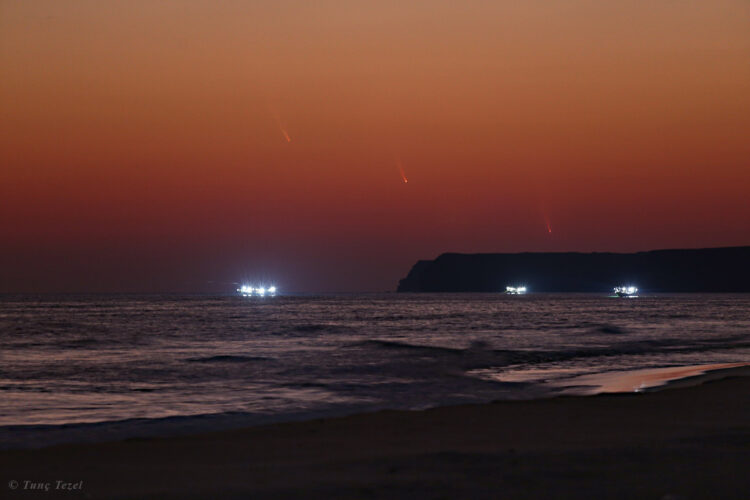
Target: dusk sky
{"type": "Point", "coordinates": [185, 145]}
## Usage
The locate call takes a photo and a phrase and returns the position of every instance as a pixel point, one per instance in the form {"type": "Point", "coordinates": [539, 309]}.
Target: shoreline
{"type": "Point", "coordinates": [650, 379]}
{"type": "Point", "coordinates": [40, 436]}
{"type": "Point", "coordinates": [687, 442]}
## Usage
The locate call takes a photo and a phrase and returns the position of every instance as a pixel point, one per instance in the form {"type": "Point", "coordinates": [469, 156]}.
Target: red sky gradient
{"type": "Point", "coordinates": [143, 147]}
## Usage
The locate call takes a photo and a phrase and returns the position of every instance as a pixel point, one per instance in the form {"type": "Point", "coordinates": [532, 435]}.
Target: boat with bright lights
{"type": "Point", "coordinates": [257, 291]}
{"type": "Point", "coordinates": [626, 291]}
{"type": "Point", "coordinates": [515, 290]}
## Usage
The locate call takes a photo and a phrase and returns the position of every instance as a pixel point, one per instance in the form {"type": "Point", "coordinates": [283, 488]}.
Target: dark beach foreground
{"type": "Point", "coordinates": [687, 442]}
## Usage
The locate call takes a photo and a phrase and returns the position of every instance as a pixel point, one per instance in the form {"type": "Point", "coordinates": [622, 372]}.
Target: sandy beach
{"type": "Point", "coordinates": [681, 443]}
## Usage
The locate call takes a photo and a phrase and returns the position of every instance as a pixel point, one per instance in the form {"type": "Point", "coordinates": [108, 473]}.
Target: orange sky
{"type": "Point", "coordinates": [144, 144]}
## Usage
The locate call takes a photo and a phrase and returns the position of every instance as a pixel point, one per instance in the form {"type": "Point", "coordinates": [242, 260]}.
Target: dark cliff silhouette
{"type": "Point", "coordinates": [695, 270]}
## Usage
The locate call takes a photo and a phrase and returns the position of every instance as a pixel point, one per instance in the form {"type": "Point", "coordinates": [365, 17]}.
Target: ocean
{"type": "Point", "coordinates": [96, 367]}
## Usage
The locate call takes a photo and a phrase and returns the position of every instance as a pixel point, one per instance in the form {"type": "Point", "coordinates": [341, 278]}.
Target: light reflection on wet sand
{"type": "Point", "coordinates": [651, 378]}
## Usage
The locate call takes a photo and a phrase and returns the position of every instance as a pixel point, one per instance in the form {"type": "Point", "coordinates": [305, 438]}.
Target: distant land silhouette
{"type": "Point", "coordinates": [691, 270]}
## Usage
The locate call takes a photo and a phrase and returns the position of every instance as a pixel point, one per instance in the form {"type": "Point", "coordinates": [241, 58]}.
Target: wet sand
{"type": "Point", "coordinates": [650, 379]}
{"type": "Point", "coordinates": [682, 443]}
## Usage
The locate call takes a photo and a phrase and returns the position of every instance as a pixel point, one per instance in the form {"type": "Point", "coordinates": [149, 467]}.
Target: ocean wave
{"type": "Point", "coordinates": [609, 329]}
{"type": "Point", "coordinates": [316, 327]}
{"type": "Point", "coordinates": [392, 344]}
{"type": "Point", "coordinates": [134, 429]}
{"type": "Point", "coordinates": [226, 358]}
{"type": "Point", "coordinates": [480, 353]}
{"type": "Point", "coordinates": [417, 317]}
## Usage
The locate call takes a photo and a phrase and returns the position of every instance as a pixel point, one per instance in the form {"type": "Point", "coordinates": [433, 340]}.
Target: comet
{"type": "Point", "coordinates": [546, 219]}
{"type": "Point", "coordinates": [279, 123]}
{"type": "Point", "coordinates": [401, 170]}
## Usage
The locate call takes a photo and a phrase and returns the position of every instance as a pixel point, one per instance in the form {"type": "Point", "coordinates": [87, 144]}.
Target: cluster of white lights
{"type": "Point", "coordinates": [247, 291]}
{"type": "Point", "coordinates": [622, 291]}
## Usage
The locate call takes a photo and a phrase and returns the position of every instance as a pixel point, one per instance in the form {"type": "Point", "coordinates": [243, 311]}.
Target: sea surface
{"type": "Point", "coordinates": [87, 368]}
